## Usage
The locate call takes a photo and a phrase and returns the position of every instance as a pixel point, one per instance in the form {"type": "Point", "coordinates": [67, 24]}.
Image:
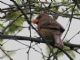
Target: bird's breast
{"type": "Point", "coordinates": [47, 32]}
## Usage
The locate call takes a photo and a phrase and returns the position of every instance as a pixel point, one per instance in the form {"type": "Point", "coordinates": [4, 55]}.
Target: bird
{"type": "Point", "coordinates": [49, 28]}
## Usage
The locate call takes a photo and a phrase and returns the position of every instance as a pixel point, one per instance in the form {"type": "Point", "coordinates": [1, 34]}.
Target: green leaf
{"type": "Point", "coordinates": [63, 1]}
{"type": "Point", "coordinates": [18, 1]}
{"type": "Point", "coordinates": [13, 15]}
{"type": "Point", "coordinates": [18, 21]}
{"type": "Point", "coordinates": [71, 53]}
{"type": "Point", "coordinates": [1, 41]}
{"type": "Point", "coordinates": [1, 25]}
{"type": "Point", "coordinates": [15, 26]}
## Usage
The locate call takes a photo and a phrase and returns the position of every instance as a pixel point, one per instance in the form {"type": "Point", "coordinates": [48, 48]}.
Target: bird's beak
{"type": "Point", "coordinates": [35, 21]}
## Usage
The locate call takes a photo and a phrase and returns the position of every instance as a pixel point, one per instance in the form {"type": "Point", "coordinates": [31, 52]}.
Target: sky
{"type": "Point", "coordinates": [21, 54]}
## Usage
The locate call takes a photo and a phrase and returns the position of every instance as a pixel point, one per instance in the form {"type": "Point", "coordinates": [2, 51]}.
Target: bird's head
{"type": "Point", "coordinates": [39, 18]}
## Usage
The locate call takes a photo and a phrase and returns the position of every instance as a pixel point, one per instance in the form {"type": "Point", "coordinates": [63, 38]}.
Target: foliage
{"type": "Point", "coordinates": [23, 10]}
{"type": "Point", "coordinates": [16, 21]}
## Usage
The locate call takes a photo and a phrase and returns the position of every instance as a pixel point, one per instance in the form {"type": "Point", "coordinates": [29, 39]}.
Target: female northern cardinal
{"type": "Point", "coordinates": [49, 28]}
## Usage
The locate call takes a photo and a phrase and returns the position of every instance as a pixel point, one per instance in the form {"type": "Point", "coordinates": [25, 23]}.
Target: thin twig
{"type": "Point", "coordinates": [10, 24]}
{"type": "Point", "coordinates": [73, 36]}
{"type": "Point", "coordinates": [70, 22]}
{"type": "Point", "coordinates": [5, 53]}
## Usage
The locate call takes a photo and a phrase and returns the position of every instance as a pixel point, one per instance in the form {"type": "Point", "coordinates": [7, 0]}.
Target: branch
{"type": "Point", "coordinates": [20, 38]}
{"type": "Point", "coordinates": [70, 20]}
{"type": "Point", "coordinates": [5, 53]}
{"type": "Point", "coordinates": [72, 45]}
{"type": "Point", "coordinates": [11, 37]}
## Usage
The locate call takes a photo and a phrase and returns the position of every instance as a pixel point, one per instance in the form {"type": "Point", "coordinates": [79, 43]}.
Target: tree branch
{"type": "Point", "coordinates": [11, 37]}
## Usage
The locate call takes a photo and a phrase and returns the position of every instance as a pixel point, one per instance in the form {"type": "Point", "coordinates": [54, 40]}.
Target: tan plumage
{"type": "Point", "coordinates": [49, 28]}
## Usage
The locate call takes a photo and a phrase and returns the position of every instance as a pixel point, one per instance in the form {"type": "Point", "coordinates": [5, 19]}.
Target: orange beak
{"type": "Point", "coordinates": [35, 21]}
